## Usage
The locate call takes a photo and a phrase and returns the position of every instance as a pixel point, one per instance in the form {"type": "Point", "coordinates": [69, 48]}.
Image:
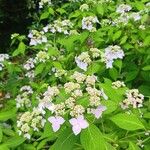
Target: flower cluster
{"type": "Point", "coordinates": [125, 16]}
{"type": "Point", "coordinates": [111, 53]}
{"type": "Point", "coordinates": [23, 99]}
{"type": "Point", "coordinates": [42, 3]}
{"type": "Point", "coordinates": [118, 84]}
{"type": "Point", "coordinates": [133, 98]}
{"type": "Point", "coordinates": [88, 22]}
{"type": "Point", "coordinates": [59, 26]}
{"type": "Point", "coordinates": [37, 37]}
{"type": "Point", "coordinates": [74, 91]}
{"type": "Point", "coordinates": [30, 121]}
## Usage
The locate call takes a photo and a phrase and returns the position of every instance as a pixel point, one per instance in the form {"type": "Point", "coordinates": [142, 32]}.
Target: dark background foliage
{"type": "Point", "coordinates": [14, 18]}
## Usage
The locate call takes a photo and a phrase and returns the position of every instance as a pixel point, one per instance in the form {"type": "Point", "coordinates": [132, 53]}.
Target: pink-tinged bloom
{"type": "Point", "coordinates": [56, 122]}
{"type": "Point", "coordinates": [98, 111]}
{"type": "Point", "coordinates": [78, 124]}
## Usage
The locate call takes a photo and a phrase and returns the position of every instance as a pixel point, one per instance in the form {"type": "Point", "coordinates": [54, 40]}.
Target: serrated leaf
{"type": "Point", "coordinates": [127, 121]}
{"type": "Point", "coordinates": [92, 139]}
{"type": "Point", "coordinates": [65, 141]}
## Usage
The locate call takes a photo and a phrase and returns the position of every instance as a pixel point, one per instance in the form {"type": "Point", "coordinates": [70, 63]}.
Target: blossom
{"type": "Point", "coordinates": [98, 111]}
{"type": "Point", "coordinates": [87, 22]}
{"type": "Point", "coordinates": [123, 8]}
{"type": "Point", "coordinates": [83, 60]}
{"type": "Point", "coordinates": [80, 64]}
{"type": "Point", "coordinates": [135, 16]}
{"type": "Point", "coordinates": [111, 53]}
{"type": "Point", "coordinates": [44, 2]}
{"type": "Point", "coordinates": [56, 122]}
{"type": "Point", "coordinates": [78, 124]}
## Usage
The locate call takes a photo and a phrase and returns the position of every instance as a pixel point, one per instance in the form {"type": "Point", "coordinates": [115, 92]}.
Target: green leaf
{"type": "Point", "coordinates": [109, 147]}
{"type": "Point", "coordinates": [51, 10]}
{"type": "Point", "coordinates": [3, 147]}
{"type": "Point", "coordinates": [65, 141]}
{"type": "Point", "coordinates": [133, 146]}
{"type": "Point", "coordinates": [100, 9]}
{"type": "Point", "coordinates": [20, 50]}
{"type": "Point", "coordinates": [9, 114]}
{"type": "Point", "coordinates": [146, 41]}
{"type": "Point", "coordinates": [111, 106]}
{"type": "Point", "coordinates": [92, 139]}
{"type": "Point", "coordinates": [113, 73]}
{"type": "Point", "coordinates": [44, 15]}
{"type": "Point", "coordinates": [131, 75]}
{"type": "Point", "coordinates": [39, 68]}
{"type": "Point", "coordinates": [117, 35]}
{"type": "Point", "coordinates": [14, 141]}
{"type": "Point", "coordinates": [127, 121]}
{"type": "Point", "coordinates": [146, 68]}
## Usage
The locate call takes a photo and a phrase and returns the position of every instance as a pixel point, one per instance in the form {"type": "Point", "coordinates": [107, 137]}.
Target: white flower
{"type": "Point", "coordinates": [56, 122]}
{"type": "Point", "coordinates": [88, 22]}
{"type": "Point", "coordinates": [78, 124]}
{"type": "Point", "coordinates": [3, 57]}
{"type": "Point", "coordinates": [80, 64]}
{"type": "Point", "coordinates": [135, 16]}
{"type": "Point", "coordinates": [123, 8]}
{"type": "Point", "coordinates": [111, 53]}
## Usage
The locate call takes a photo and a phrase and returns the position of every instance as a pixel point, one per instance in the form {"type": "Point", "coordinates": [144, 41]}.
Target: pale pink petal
{"type": "Point", "coordinates": [76, 129]}
{"type": "Point", "coordinates": [52, 119]}
{"type": "Point", "coordinates": [82, 122]}
{"type": "Point", "coordinates": [55, 127]}
{"type": "Point", "coordinates": [60, 120]}
{"type": "Point", "coordinates": [73, 121]}
{"type": "Point", "coordinates": [98, 111]}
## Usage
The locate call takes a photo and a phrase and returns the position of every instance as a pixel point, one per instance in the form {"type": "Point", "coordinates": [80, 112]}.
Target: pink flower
{"type": "Point", "coordinates": [78, 124]}
{"type": "Point", "coordinates": [56, 122]}
{"type": "Point", "coordinates": [98, 111]}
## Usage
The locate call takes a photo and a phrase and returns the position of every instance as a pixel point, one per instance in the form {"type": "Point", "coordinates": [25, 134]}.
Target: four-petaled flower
{"type": "Point", "coordinates": [98, 111]}
{"type": "Point", "coordinates": [78, 124]}
{"type": "Point", "coordinates": [56, 122]}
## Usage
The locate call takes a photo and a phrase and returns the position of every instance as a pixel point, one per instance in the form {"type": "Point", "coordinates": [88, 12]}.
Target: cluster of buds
{"type": "Point", "coordinates": [42, 56]}
{"type": "Point", "coordinates": [118, 84]}
{"type": "Point", "coordinates": [23, 99]}
{"type": "Point", "coordinates": [133, 98]}
{"type": "Point", "coordinates": [37, 37]}
{"type": "Point", "coordinates": [84, 7]}
{"type": "Point", "coordinates": [88, 22]}
{"type": "Point", "coordinates": [59, 26]}
{"type": "Point", "coordinates": [60, 72]}
{"type": "Point", "coordinates": [30, 121]}
{"type": "Point", "coordinates": [111, 53]}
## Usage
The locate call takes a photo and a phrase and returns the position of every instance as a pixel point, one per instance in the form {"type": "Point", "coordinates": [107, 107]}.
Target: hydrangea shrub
{"type": "Point", "coordinates": [79, 79]}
